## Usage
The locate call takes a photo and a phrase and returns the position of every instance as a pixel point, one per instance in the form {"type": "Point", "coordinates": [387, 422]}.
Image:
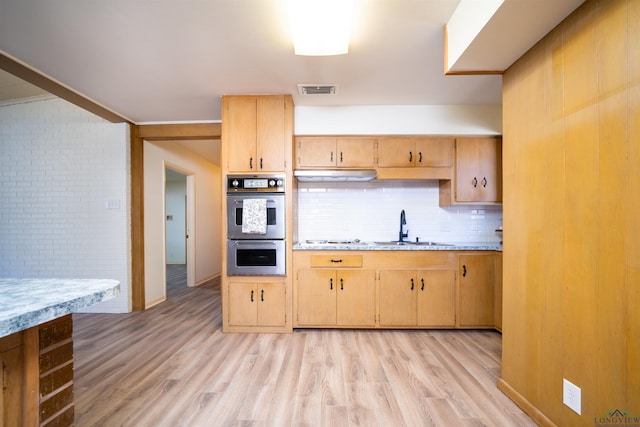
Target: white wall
{"type": "Point", "coordinates": [399, 120]}
{"type": "Point", "coordinates": [370, 211]}
{"type": "Point", "coordinates": [206, 232]}
{"type": "Point", "coordinates": [176, 221]}
{"type": "Point", "coordinates": [59, 166]}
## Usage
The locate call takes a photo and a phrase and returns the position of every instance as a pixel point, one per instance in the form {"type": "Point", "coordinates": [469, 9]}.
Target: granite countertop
{"type": "Point", "coordinates": [391, 246]}
{"type": "Point", "coordinates": [25, 303]}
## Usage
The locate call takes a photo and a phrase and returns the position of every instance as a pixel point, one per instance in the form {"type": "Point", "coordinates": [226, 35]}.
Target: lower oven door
{"type": "Point", "coordinates": [256, 258]}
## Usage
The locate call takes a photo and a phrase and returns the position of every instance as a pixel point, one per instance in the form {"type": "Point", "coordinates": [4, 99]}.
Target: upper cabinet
{"type": "Point", "coordinates": [257, 132]}
{"type": "Point", "coordinates": [415, 157]}
{"type": "Point", "coordinates": [334, 152]}
{"type": "Point", "coordinates": [478, 176]}
{"type": "Point", "coordinates": [415, 152]}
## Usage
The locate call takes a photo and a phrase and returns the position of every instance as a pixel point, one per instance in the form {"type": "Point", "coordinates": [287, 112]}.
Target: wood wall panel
{"type": "Point", "coordinates": [571, 161]}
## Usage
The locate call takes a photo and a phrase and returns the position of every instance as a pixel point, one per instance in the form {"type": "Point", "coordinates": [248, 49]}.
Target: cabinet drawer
{"type": "Point", "coordinates": [336, 261]}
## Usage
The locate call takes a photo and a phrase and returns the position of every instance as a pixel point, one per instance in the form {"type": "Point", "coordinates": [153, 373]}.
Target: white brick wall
{"type": "Point", "coordinates": [59, 165]}
{"type": "Point", "coordinates": [371, 212]}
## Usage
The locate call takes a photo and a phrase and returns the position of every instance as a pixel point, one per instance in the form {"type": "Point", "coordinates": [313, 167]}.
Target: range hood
{"type": "Point", "coordinates": [335, 175]}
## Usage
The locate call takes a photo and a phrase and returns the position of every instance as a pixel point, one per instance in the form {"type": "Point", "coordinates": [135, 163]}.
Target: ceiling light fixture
{"type": "Point", "coordinates": [320, 27]}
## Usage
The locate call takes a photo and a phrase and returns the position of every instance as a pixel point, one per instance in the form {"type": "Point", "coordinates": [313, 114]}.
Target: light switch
{"type": "Point", "coordinates": [113, 204]}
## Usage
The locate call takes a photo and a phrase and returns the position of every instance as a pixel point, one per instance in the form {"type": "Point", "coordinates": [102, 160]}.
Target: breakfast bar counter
{"type": "Point", "coordinates": [36, 346]}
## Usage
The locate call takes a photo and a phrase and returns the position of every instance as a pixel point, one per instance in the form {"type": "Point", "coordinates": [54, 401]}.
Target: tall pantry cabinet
{"type": "Point", "coordinates": [257, 138]}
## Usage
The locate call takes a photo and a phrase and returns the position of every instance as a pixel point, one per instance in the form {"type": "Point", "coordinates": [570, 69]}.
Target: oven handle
{"type": "Point", "coordinates": [255, 243]}
{"type": "Point", "coordinates": [239, 202]}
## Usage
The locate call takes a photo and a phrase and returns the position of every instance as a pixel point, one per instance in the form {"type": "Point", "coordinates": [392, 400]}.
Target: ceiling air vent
{"type": "Point", "coordinates": [309, 89]}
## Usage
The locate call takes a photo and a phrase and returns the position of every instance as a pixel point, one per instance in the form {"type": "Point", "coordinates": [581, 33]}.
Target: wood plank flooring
{"type": "Point", "coordinates": [172, 366]}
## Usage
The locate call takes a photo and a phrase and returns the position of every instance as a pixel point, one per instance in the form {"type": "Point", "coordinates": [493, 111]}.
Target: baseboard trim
{"type": "Point", "coordinates": [528, 408]}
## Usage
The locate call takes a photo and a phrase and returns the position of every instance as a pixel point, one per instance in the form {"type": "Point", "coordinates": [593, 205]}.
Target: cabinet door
{"type": "Point", "coordinates": [316, 297]}
{"type": "Point", "coordinates": [315, 152]}
{"type": "Point", "coordinates": [434, 152]}
{"type": "Point", "coordinates": [478, 170]}
{"type": "Point", "coordinates": [270, 146]}
{"type": "Point", "coordinates": [467, 169]}
{"type": "Point", "coordinates": [271, 304]}
{"type": "Point", "coordinates": [241, 135]}
{"type": "Point", "coordinates": [477, 277]}
{"type": "Point", "coordinates": [490, 169]}
{"type": "Point", "coordinates": [436, 297]}
{"type": "Point", "coordinates": [356, 299]}
{"type": "Point", "coordinates": [355, 152]}
{"type": "Point", "coordinates": [243, 304]}
{"type": "Point", "coordinates": [397, 298]}
{"type": "Point", "coordinates": [396, 152]}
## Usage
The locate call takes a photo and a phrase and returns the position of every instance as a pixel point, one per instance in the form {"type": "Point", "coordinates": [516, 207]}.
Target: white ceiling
{"type": "Point", "coordinates": [170, 61]}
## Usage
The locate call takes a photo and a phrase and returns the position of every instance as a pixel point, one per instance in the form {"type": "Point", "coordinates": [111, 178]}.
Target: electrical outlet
{"type": "Point", "coordinates": [571, 396]}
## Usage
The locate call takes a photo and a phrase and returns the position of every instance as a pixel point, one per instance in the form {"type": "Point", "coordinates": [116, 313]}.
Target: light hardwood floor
{"type": "Point", "coordinates": [172, 366]}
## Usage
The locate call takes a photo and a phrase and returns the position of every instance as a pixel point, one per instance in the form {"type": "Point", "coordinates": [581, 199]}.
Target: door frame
{"type": "Point", "coordinates": [155, 132]}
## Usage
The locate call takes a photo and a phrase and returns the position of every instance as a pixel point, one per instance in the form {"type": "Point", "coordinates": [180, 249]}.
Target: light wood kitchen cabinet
{"type": "Point", "coordinates": [334, 152]}
{"type": "Point", "coordinates": [478, 176]}
{"type": "Point", "coordinates": [476, 276]}
{"type": "Point", "coordinates": [328, 297]}
{"type": "Point", "coordinates": [415, 152]}
{"type": "Point", "coordinates": [257, 132]}
{"type": "Point", "coordinates": [417, 298]}
{"type": "Point", "coordinates": [498, 292]}
{"type": "Point", "coordinates": [256, 304]}
{"type": "Point", "coordinates": [395, 289]}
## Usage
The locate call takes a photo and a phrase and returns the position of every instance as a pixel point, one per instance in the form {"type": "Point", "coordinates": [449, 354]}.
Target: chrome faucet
{"type": "Point", "coordinates": [403, 221]}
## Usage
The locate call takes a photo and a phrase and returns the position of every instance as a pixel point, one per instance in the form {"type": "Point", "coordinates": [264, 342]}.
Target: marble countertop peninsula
{"type": "Point", "coordinates": [25, 303]}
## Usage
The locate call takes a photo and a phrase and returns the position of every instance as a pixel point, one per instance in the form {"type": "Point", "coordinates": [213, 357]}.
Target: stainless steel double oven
{"type": "Point", "coordinates": [261, 253]}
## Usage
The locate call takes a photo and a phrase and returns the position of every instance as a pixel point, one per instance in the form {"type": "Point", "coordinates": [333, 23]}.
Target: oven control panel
{"type": "Point", "coordinates": [255, 183]}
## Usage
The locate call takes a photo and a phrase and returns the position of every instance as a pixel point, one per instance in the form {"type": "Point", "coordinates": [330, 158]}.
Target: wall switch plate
{"type": "Point", "coordinates": [113, 204]}
{"type": "Point", "coordinates": [571, 396]}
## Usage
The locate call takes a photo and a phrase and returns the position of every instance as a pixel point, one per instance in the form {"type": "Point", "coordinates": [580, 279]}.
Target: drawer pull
{"type": "Point", "coordinates": [336, 260]}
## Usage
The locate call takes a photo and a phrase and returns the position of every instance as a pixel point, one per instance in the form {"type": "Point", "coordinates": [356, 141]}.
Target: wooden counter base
{"type": "Point", "coordinates": [38, 375]}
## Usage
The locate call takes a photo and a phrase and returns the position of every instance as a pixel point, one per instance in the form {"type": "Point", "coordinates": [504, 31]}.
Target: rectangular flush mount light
{"type": "Point", "coordinates": [320, 27]}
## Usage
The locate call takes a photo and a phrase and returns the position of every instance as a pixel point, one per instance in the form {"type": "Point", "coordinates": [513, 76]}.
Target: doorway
{"type": "Point", "coordinates": [179, 251]}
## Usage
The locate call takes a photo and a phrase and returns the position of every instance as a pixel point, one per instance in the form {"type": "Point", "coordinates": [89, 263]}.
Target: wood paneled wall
{"type": "Point", "coordinates": [571, 161]}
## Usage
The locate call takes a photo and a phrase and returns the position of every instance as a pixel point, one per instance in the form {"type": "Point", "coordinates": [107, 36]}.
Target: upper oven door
{"type": "Point", "coordinates": [275, 216]}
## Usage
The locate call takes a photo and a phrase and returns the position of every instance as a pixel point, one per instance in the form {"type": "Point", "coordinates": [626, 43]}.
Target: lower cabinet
{"type": "Point", "coordinates": [477, 290]}
{"type": "Point", "coordinates": [417, 298]}
{"type": "Point", "coordinates": [395, 289]}
{"type": "Point", "coordinates": [335, 297]}
{"type": "Point", "coordinates": [257, 304]}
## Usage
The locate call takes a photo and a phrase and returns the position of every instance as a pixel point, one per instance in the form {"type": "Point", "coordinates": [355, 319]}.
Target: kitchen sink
{"type": "Point", "coordinates": [392, 243]}
{"type": "Point", "coordinates": [431, 244]}
{"type": "Point", "coordinates": [408, 243]}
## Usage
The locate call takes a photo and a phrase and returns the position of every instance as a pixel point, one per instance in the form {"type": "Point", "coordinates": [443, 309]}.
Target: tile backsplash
{"type": "Point", "coordinates": [370, 211]}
